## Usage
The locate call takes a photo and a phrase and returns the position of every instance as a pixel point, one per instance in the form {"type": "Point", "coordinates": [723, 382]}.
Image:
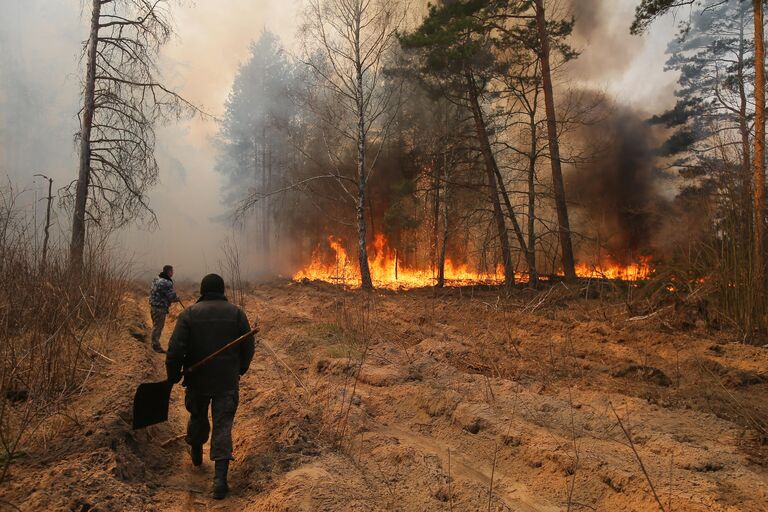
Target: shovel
{"type": "Point", "coordinates": [150, 404]}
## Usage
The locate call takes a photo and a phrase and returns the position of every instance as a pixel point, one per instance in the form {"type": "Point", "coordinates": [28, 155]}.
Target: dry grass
{"type": "Point", "coordinates": [48, 317]}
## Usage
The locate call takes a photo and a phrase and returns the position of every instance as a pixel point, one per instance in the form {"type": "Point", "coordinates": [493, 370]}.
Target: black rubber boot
{"type": "Point", "coordinates": [220, 487]}
{"type": "Point", "coordinates": [196, 451]}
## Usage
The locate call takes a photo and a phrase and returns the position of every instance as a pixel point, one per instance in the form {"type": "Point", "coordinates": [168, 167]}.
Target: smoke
{"type": "Point", "coordinates": [619, 190]}
{"type": "Point", "coordinates": [40, 77]}
{"type": "Point", "coordinates": [601, 34]}
{"type": "Point", "coordinates": [41, 72]}
{"type": "Point", "coordinates": [587, 14]}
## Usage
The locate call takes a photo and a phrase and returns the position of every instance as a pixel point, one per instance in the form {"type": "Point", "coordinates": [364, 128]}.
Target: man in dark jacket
{"type": "Point", "coordinates": [200, 330]}
{"type": "Point", "coordinates": [161, 295]}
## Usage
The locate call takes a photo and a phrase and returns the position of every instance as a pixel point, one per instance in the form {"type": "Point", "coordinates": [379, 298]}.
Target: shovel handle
{"type": "Point", "coordinates": [229, 345]}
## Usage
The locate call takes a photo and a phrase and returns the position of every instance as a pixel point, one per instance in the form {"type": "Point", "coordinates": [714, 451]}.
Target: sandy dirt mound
{"type": "Point", "coordinates": [424, 401]}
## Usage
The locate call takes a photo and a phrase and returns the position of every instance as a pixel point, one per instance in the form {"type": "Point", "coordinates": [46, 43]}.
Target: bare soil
{"type": "Point", "coordinates": [462, 400]}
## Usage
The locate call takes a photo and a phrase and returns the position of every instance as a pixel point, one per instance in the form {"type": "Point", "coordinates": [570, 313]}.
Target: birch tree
{"type": "Point", "coordinates": [122, 102]}
{"type": "Point", "coordinates": [345, 44]}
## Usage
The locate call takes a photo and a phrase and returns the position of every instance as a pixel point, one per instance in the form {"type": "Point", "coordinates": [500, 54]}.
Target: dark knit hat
{"type": "Point", "coordinates": [212, 283]}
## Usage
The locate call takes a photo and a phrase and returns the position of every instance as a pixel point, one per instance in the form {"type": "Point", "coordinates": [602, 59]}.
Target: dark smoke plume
{"type": "Point", "coordinates": [618, 191]}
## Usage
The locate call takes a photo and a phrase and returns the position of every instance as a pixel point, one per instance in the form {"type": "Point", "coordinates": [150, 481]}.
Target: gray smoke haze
{"type": "Point", "coordinates": [603, 38]}
{"type": "Point", "coordinates": [629, 68]}
{"type": "Point", "coordinates": [40, 75]}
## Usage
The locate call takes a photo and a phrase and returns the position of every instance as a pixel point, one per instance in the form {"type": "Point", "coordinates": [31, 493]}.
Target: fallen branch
{"type": "Point", "coordinates": [172, 440]}
{"type": "Point", "coordinates": [100, 354]}
{"type": "Point", "coordinates": [650, 315]}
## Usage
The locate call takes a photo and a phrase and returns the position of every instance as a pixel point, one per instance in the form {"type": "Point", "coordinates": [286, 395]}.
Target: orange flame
{"type": "Point", "coordinates": [387, 270]}
{"type": "Point", "coordinates": [610, 270]}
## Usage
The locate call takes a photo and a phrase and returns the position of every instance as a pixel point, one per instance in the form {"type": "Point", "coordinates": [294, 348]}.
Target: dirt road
{"type": "Point", "coordinates": [416, 401]}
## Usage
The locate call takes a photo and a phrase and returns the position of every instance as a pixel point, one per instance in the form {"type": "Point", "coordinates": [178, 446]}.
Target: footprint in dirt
{"type": "Point", "coordinates": [185, 487]}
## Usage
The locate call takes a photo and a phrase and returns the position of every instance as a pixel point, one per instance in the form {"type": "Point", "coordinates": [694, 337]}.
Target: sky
{"type": "Point", "coordinates": [40, 46]}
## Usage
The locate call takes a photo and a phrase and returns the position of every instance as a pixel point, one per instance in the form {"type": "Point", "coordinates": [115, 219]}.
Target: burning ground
{"type": "Point", "coordinates": [462, 399]}
{"type": "Point", "coordinates": [331, 263]}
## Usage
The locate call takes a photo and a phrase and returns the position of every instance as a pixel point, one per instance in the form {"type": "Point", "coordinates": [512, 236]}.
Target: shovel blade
{"type": "Point", "coordinates": [150, 404]}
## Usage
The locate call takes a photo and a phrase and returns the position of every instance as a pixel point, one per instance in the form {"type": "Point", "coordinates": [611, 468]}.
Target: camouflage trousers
{"type": "Point", "coordinates": [223, 408]}
{"type": "Point", "coordinates": [158, 322]}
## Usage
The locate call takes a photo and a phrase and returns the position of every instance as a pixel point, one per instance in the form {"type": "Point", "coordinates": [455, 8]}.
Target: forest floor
{"type": "Point", "coordinates": [462, 400]}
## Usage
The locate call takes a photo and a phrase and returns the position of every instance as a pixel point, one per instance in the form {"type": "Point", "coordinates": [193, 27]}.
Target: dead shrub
{"type": "Point", "coordinates": [47, 317]}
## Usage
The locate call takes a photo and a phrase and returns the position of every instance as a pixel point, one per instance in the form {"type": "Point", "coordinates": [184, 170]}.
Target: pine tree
{"type": "Point", "coordinates": [254, 136]}
{"type": "Point", "coordinates": [649, 10]}
{"type": "Point", "coordinates": [457, 50]}
{"type": "Point", "coordinates": [122, 102]}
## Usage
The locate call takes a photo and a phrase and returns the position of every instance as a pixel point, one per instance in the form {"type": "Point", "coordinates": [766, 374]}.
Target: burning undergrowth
{"type": "Point", "coordinates": [619, 213]}
{"type": "Point", "coordinates": [331, 262]}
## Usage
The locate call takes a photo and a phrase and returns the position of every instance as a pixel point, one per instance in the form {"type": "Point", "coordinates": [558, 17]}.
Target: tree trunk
{"type": "Point", "coordinates": [258, 184]}
{"type": "Point", "coordinates": [270, 207]}
{"type": "Point", "coordinates": [444, 243]}
{"type": "Point", "coordinates": [362, 252]}
{"type": "Point", "coordinates": [371, 214]}
{"type": "Point", "coordinates": [49, 198]}
{"type": "Point", "coordinates": [758, 168]}
{"type": "Point", "coordinates": [491, 170]}
{"type": "Point", "coordinates": [77, 244]}
{"type": "Point", "coordinates": [435, 216]}
{"type": "Point", "coordinates": [266, 157]}
{"type": "Point", "coordinates": [531, 257]}
{"type": "Point", "coordinates": [511, 214]}
{"type": "Point", "coordinates": [564, 229]}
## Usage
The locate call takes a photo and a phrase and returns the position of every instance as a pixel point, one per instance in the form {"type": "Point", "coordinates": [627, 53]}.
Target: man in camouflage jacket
{"type": "Point", "coordinates": [161, 295]}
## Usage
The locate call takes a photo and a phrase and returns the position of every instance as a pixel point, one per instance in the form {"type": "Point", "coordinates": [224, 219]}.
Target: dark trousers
{"type": "Point", "coordinates": [158, 322]}
{"type": "Point", "coordinates": [223, 408]}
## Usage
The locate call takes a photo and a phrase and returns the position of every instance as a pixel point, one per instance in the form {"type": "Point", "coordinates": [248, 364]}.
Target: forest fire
{"type": "Point", "coordinates": [387, 270]}
{"type": "Point", "coordinates": [610, 270]}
